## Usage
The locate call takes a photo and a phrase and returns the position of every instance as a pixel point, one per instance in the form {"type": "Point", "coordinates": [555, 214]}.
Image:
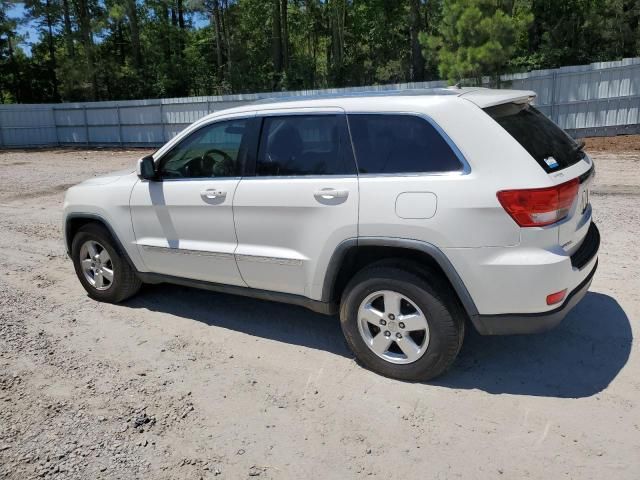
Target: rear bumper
{"type": "Point", "coordinates": [514, 324]}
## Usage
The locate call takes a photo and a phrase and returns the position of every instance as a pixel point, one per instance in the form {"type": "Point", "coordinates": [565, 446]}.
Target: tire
{"type": "Point", "coordinates": [425, 299]}
{"type": "Point", "coordinates": [124, 282]}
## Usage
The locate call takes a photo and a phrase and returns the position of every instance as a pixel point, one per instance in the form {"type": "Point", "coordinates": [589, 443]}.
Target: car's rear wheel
{"type": "Point", "coordinates": [400, 324]}
{"type": "Point", "coordinates": [103, 271]}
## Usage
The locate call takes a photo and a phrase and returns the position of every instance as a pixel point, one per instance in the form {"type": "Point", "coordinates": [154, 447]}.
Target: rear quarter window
{"type": "Point", "coordinates": [547, 143]}
{"type": "Point", "coordinates": [400, 144]}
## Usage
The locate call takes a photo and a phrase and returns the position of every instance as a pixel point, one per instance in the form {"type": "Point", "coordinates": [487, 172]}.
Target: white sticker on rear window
{"type": "Point", "coordinates": [551, 162]}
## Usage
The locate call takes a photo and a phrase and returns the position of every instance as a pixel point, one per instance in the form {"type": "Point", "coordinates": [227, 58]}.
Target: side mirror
{"type": "Point", "coordinates": [146, 168]}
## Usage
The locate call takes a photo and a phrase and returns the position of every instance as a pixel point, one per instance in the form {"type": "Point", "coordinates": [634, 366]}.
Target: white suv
{"type": "Point", "coordinates": [411, 214]}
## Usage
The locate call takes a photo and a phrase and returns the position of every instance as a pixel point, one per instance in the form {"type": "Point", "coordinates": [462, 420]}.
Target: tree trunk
{"type": "Point", "coordinates": [121, 53]}
{"type": "Point", "coordinates": [417, 60]}
{"type": "Point", "coordinates": [276, 38]}
{"type": "Point", "coordinates": [181, 33]}
{"type": "Point", "coordinates": [227, 36]}
{"type": "Point", "coordinates": [175, 33]}
{"type": "Point", "coordinates": [631, 42]}
{"type": "Point", "coordinates": [132, 13]}
{"type": "Point", "coordinates": [218, 28]}
{"type": "Point", "coordinates": [337, 17]}
{"type": "Point", "coordinates": [285, 34]}
{"type": "Point", "coordinates": [164, 16]}
{"type": "Point", "coordinates": [68, 34]}
{"type": "Point", "coordinates": [52, 53]}
{"type": "Point", "coordinates": [87, 42]}
{"type": "Point", "coordinates": [313, 39]}
{"type": "Point", "coordinates": [16, 73]}
{"type": "Point", "coordinates": [181, 14]}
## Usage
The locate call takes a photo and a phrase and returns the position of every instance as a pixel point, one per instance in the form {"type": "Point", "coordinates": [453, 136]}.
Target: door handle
{"type": "Point", "coordinates": [212, 194]}
{"type": "Point", "coordinates": [330, 193]}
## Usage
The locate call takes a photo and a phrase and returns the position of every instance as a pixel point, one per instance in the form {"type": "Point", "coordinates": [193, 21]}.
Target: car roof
{"type": "Point", "coordinates": [360, 94]}
{"type": "Point", "coordinates": [482, 97]}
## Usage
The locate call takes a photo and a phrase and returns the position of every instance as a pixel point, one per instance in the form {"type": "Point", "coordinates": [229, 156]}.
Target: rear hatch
{"type": "Point", "coordinates": [559, 155]}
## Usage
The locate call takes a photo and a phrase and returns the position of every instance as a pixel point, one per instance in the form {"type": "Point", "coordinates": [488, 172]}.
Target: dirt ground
{"type": "Point", "coordinates": [621, 143]}
{"type": "Point", "coordinates": [180, 383]}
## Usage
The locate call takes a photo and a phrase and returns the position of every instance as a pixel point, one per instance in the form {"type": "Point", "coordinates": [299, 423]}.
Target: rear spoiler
{"type": "Point", "coordinates": [485, 97]}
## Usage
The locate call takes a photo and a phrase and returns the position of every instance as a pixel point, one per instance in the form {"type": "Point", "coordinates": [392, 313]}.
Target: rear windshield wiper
{"type": "Point", "coordinates": [579, 148]}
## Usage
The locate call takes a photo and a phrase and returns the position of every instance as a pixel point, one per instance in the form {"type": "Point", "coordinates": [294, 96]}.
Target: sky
{"type": "Point", "coordinates": [27, 29]}
{"type": "Point", "coordinates": [17, 11]}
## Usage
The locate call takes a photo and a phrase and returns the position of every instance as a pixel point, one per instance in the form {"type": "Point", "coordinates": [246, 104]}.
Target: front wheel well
{"type": "Point", "coordinates": [74, 224]}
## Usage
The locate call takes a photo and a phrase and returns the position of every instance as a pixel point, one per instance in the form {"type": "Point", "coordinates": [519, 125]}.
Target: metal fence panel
{"type": "Point", "coordinates": [28, 125]}
{"type": "Point", "coordinates": [597, 99]}
{"type": "Point", "coordinates": [68, 117]}
{"type": "Point", "coordinates": [184, 113]}
{"type": "Point", "coordinates": [141, 115]}
{"type": "Point", "coordinates": [149, 134]}
{"type": "Point", "coordinates": [172, 130]}
{"type": "Point", "coordinates": [71, 135]}
{"type": "Point", "coordinates": [103, 135]}
{"type": "Point", "coordinates": [103, 116]}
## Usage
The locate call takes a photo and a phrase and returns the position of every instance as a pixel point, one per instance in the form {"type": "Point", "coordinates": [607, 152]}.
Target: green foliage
{"type": "Point", "coordinates": [124, 49]}
{"type": "Point", "coordinates": [574, 32]}
{"type": "Point", "coordinates": [478, 37]}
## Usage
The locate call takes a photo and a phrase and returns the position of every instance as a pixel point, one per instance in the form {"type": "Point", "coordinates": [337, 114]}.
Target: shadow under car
{"type": "Point", "coordinates": [579, 358]}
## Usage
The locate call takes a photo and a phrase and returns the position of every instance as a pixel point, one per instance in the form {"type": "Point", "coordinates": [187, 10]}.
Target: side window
{"type": "Point", "coordinates": [400, 144]}
{"type": "Point", "coordinates": [216, 150]}
{"type": "Point", "coordinates": [305, 145]}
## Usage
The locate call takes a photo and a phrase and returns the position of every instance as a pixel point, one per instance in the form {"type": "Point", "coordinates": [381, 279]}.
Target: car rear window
{"type": "Point", "coordinates": [547, 143]}
{"type": "Point", "coordinates": [400, 144]}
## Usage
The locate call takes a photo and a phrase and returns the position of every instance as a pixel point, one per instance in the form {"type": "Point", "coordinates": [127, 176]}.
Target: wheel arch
{"type": "Point", "coordinates": [353, 255]}
{"type": "Point", "coordinates": [74, 221]}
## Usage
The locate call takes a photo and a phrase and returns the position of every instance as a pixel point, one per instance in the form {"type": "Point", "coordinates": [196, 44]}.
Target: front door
{"type": "Point", "coordinates": [184, 221]}
{"type": "Point", "coordinates": [300, 204]}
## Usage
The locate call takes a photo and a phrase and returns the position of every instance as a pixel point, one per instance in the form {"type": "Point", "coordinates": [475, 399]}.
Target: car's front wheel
{"type": "Point", "coordinates": [400, 325]}
{"type": "Point", "coordinates": [103, 271]}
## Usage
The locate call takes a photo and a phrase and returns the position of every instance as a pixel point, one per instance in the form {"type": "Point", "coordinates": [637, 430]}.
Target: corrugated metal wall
{"type": "Point", "coordinates": [600, 99]}
{"type": "Point", "coordinates": [586, 100]}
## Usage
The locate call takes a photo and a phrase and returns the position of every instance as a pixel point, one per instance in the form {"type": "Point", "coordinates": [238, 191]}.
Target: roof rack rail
{"type": "Point", "coordinates": [361, 94]}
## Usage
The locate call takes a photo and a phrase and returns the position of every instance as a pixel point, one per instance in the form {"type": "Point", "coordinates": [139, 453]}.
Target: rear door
{"type": "Point", "coordinates": [300, 203]}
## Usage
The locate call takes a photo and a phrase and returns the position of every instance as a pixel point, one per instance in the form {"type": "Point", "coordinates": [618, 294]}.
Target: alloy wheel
{"type": "Point", "coordinates": [393, 327]}
{"type": "Point", "coordinates": [96, 265]}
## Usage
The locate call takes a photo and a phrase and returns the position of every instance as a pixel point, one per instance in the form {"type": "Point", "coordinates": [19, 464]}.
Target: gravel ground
{"type": "Point", "coordinates": [181, 383]}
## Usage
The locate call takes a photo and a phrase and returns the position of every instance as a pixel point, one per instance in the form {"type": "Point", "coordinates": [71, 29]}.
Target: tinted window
{"type": "Point", "coordinates": [216, 150]}
{"type": "Point", "coordinates": [305, 145]}
{"type": "Point", "coordinates": [400, 144]}
{"type": "Point", "coordinates": [544, 140]}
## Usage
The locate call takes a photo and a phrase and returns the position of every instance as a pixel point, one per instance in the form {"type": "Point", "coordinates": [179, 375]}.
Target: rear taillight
{"type": "Point", "coordinates": [537, 207]}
